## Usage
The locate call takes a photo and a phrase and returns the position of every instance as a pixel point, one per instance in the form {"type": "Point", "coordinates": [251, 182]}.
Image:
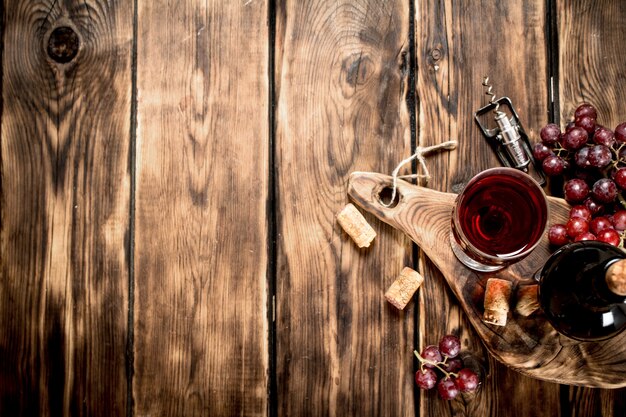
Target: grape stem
{"type": "Point", "coordinates": [424, 361]}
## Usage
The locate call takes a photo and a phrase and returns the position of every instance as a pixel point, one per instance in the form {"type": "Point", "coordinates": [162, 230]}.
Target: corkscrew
{"type": "Point", "coordinates": [507, 138]}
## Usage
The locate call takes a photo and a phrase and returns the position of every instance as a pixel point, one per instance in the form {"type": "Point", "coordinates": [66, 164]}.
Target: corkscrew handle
{"type": "Point", "coordinates": [508, 139]}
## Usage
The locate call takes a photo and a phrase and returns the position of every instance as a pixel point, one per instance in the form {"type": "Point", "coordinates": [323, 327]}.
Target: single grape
{"type": "Point", "coordinates": [550, 134]}
{"type": "Point", "coordinates": [620, 133]}
{"type": "Point", "coordinates": [575, 138]}
{"type": "Point", "coordinates": [594, 207]}
{"type": "Point", "coordinates": [586, 109]}
{"type": "Point", "coordinates": [447, 388]}
{"type": "Point", "coordinates": [467, 380]}
{"type": "Point", "coordinates": [553, 165]}
{"type": "Point", "coordinates": [541, 151]}
{"type": "Point", "coordinates": [585, 236]}
{"type": "Point", "coordinates": [610, 236]}
{"type": "Point", "coordinates": [587, 123]}
{"type": "Point", "coordinates": [599, 224]}
{"type": "Point", "coordinates": [575, 190]}
{"type": "Point", "coordinates": [599, 156]}
{"type": "Point", "coordinates": [619, 220]}
{"type": "Point", "coordinates": [557, 235]}
{"type": "Point", "coordinates": [453, 365]}
{"type": "Point", "coordinates": [620, 178]}
{"type": "Point", "coordinates": [580, 211]}
{"type": "Point", "coordinates": [426, 378]}
{"type": "Point", "coordinates": [604, 190]}
{"type": "Point", "coordinates": [581, 158]}
{"type": "Point", "coordinates": [431, 353]}
{"type": "Point", "coordinates": [450, 346]}
{"type": "Point", "coordinates": [576, 226]}
{"type": "Point", "coordinates": [604, 136]}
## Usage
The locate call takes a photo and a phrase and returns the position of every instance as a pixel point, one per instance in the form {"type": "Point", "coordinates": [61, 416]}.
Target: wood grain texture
{"type": "Point", "coordinates": [201, 331]}
{"type": "Point", "coordinates": [341, 85]}
{"type": "Point", "coordinates": [591, 67]}
{"type": "Point", "coordinates": [457, 43]}
{"type": "Point", "coordinates": [528, 344]}
{"type": "Point", "coordinates": [64, 212]}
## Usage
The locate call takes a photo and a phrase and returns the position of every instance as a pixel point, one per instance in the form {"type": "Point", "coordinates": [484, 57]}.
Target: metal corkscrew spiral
{"type": "Point", "coordinates": [492, 96]}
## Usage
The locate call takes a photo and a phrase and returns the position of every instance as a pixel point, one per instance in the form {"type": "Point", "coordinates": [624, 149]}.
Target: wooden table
{"type": "Point", "coordinates": [170, 172]}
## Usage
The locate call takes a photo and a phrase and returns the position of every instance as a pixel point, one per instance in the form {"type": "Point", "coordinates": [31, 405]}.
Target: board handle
{"type": "Point", "coordinates": [423, 214]}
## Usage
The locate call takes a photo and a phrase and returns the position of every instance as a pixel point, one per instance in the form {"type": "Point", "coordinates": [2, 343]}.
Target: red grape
{"type": "Point", "coordinates": [575, 138]}
{"type": "Point", "coordinates": [467, 380]}
{"type": "Point", "coordinates": [581, 158]}
{"type": "Point", "coordinates": [550, 134]}
{"type": "Point", "coordinates": [586, 109]}
{"type": "Point", "coordinates": [609, 236]}
{"type": "Point", "coordinates": [447, 388]}
{"type": "Point", "coordinates": [620, 133]}
{"type": "Point", "coordinates": [604, 190]}
{"type": "Point", "coordinates": [431, 353]}
{"type": "Point", "coordinates": [576, 226]}
{"type": "Point", "coordinates": [557, 235]}
{"type": "Point", "coordinates": [450, 346]}
{"type": "Point", "coordinates": [453, 365]}
{"type": "Point", "coordinates": [580, 211]}
{"type": "Point", "coordinates": [599, 156]}
{"type": "Point", "coordinates": [620, 178]}
{"type": "Point", "coordinates": [553, 165]}
{"type": "Point", "coordinates": [575, 190]}
{"type": "Point", "coordinates": [599, 224]}
{"type": "Point", "coordinates": [426, 379]}
{"type": "Point", "coordinates": [619, 220]}
{"type": "Point", "coordinates": [587, 123]}
{"type": "Point", "coordinates": [604, 136]}
{"type": "Point", "coordinates": [594, 207]}
{"type": "Point", "coordinates": [585, 236]}
{"type": "Point", "coordinates": [541, 151]}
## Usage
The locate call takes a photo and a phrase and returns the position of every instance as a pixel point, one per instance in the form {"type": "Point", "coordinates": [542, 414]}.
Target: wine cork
{"type": "Point", "coordinates": [497, 295]}
{"type": "Point", "coordinates": [355, 225]}
{"type": "Point", "coordinates": [401, 291]}
{"type": "Point", "coordinates": [527, 301]}
{"type": "Point", "coordinates": [616, 277]}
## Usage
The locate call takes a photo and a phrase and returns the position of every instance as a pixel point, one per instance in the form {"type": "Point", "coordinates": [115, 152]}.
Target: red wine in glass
{"type": "Point", "coordinates": [498, 219]}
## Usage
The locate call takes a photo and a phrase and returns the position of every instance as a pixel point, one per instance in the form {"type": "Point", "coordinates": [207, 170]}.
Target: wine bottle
{"type": "Point", "coordinates": [582, 290]}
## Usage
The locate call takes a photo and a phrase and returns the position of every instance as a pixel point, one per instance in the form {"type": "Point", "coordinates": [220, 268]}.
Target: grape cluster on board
{"type": "Point", "coordinates": [440, 367]}
{"type": "Point", "coordinates": [592, 160]}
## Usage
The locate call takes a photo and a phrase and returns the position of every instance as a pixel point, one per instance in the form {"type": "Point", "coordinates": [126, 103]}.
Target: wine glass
{"type": "Point", "coordinates": [498, 219]}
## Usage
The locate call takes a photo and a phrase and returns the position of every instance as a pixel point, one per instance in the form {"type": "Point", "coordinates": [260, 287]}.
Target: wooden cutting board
{"type": "Point", "coordinates": [528, 344]}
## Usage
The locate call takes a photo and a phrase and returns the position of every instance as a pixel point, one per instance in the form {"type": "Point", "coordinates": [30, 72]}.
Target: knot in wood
{"type": "Point", "coordinates": [63, 44]}
{"type": "Point", "coordinates": [435, 54]}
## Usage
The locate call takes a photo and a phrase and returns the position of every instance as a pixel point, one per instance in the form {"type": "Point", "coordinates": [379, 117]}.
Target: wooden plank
{"type": "Point", "coordinates": [591, 68]}
{"type": "Point", "coordinates": [65, 207]}
{"type": "Point", "coordinates": [201, 326]}
{"type": "Point", "coordinates": [457, 43]}
{"type": "Point", "coordinates": [341, 86]}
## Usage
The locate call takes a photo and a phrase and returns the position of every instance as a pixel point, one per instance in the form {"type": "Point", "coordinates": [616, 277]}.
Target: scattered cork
{"type": "Point", "coordinates": [401, 291]}
{"type": "Point", "coordinates": [353, 222]}
{"type": "Point", "coordinates": [497, 295]}
{"type": "Point", "coordinates": [527, 301]}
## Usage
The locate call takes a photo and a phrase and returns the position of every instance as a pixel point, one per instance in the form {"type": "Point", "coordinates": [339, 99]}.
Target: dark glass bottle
{"type": "Point", "coordinates": [582, 290]}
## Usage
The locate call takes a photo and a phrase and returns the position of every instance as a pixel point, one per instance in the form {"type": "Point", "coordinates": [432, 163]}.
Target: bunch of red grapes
{"type": "Point", "coordinates": [452, 377]}
{"type": "Point", "coordinates": [592, 160]}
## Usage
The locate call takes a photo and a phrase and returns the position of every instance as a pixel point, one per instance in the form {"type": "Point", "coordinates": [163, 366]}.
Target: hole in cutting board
{"type": "Point", "coordinates": [384, 197]}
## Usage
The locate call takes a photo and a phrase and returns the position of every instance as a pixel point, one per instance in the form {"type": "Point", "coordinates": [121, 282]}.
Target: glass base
{"type": "Point", "coordinates": [469, 262]}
